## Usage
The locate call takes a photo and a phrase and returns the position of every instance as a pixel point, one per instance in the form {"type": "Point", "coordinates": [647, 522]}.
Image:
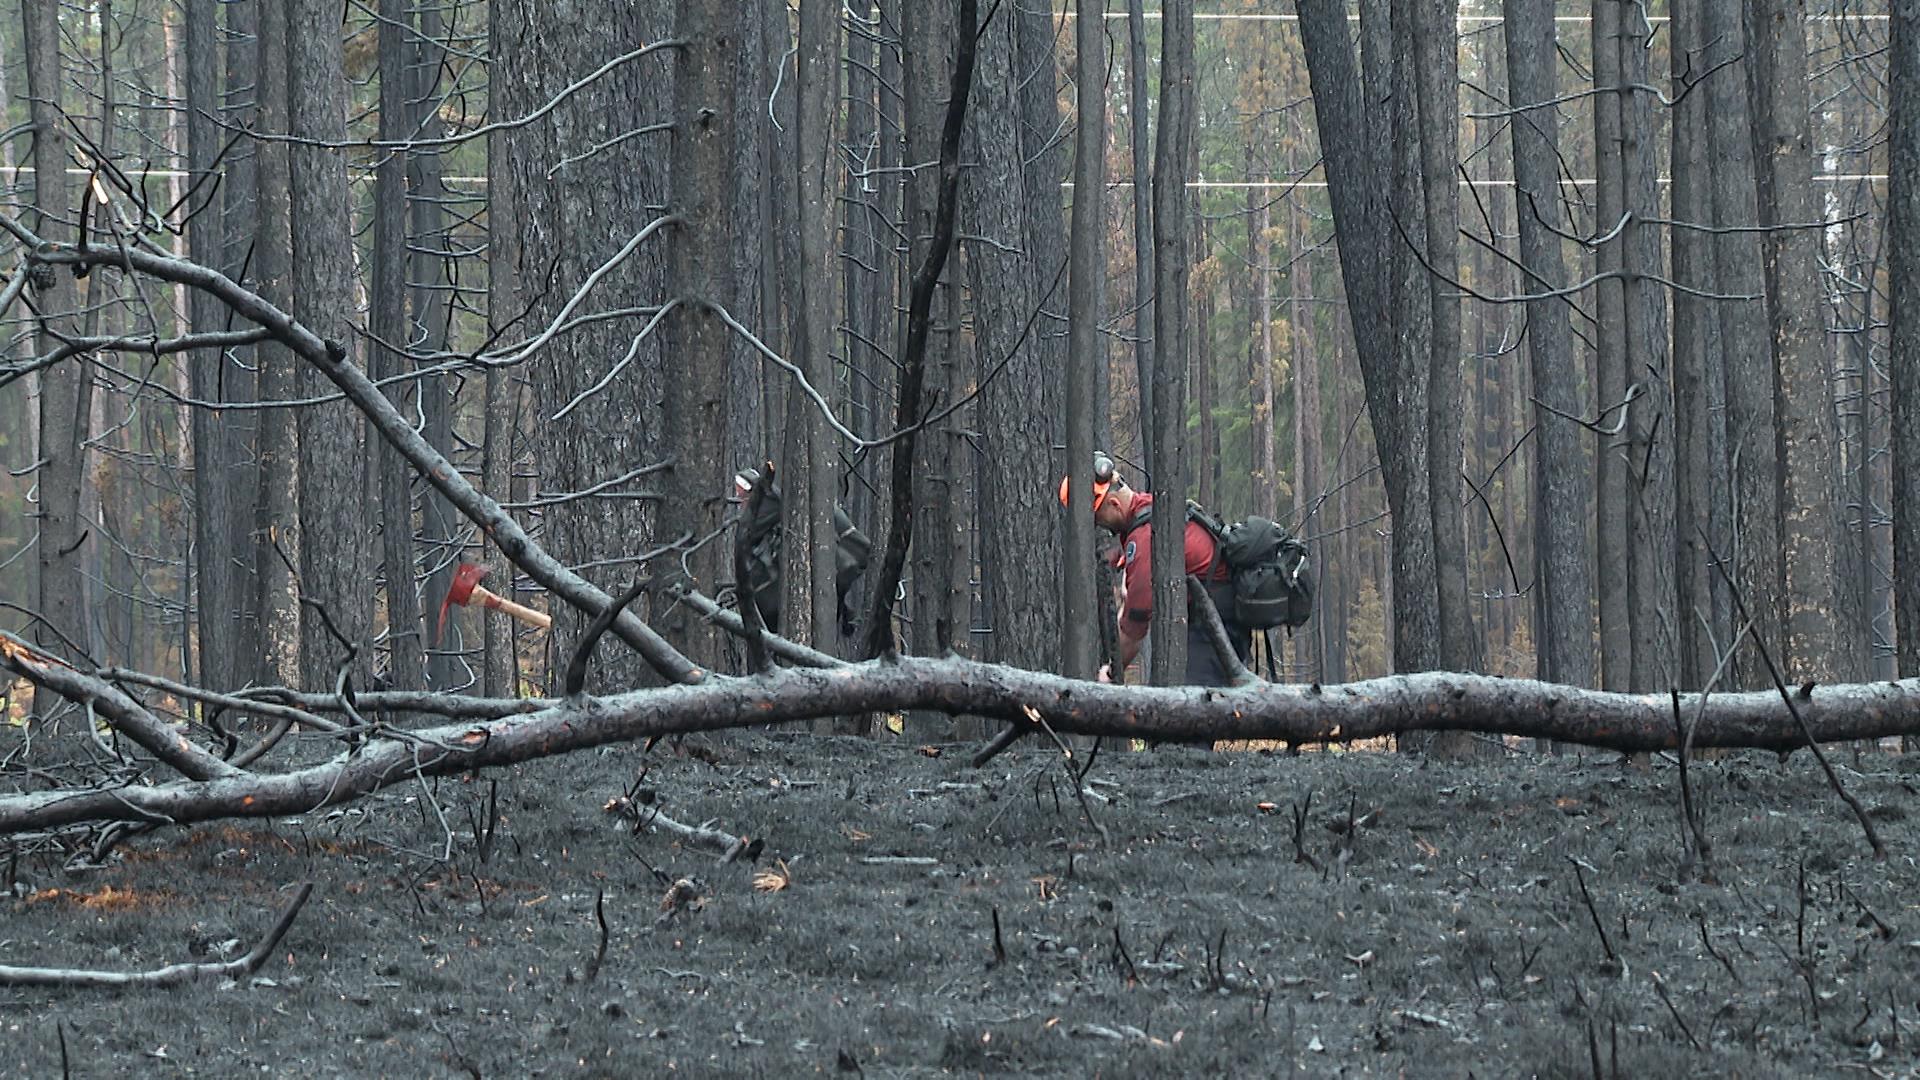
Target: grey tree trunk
{"type": "Point", "coordinates": [1749, 376]}
{"type": "Point", "coordinates": [1613, 506]}
{"type": "Point", "coordinates": [1138, 108]}
{"type": "Point", "coordinates": [66, 390]}
{"type": "Point", "coordinates": [219, 516]}
{"type": "Point", "coordinates": [567, 225]}
{"type": "Point", "coordinates": [706, 72]}
{"type": "Point", "coordinates": [809, 529]}
{"type": "Point", "coordinates": [336, 559]}
{"type": "Point", "coordinates": [435, 276]}
{"type": "Point", "coordinates": [1080, 607]}
{"type": "Point", "coordinates": [1903, 351]}
{"type": "Point", "coordinates": [1205, 455]}
{"type": "Point", "coordinates": [1436, 62]}
{"type": "Point", "coordinates": [1021, 396]}
{"type": "Point", "coordinates": [1776, 66]}
{"type": "Point", "coordinates": [406, 646]}
{"type": "Point", "coordinates": [278, 530]}
{"type": "Point", "coordinates": [1563, 491]}
{"type": "Point", "coordinates": [1266, 478]}
{"type": "Point", "coordinates": [1310, 645]}
{"type": "Point", "coordinates": [937, 546]}
{"type": "Point", "coordinates": [1652, 604]}
{"type": "Point", "coordinates": [1355, 144]}
{"type": "Point", "coordinates": [1172, 165]}
{"type": "Point", "coordinates": [1699, 419]}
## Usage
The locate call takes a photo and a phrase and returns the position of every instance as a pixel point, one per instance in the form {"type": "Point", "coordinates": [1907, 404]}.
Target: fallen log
{"type": "Point", "coordinates": [1297, 714]}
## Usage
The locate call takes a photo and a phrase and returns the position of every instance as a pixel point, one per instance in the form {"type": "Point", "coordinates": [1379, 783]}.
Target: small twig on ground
{"type": "Point", "coordinates": [1701, 920]}
{"type": "Point", "coordinates": [1300, 855]}
{"type": "Point", "coordinates": [1592, 911]}
{"type": "Point", "coordinates": [1120, 957]}
{"type": "Point", "coordinates": [1660, 987]}
{"type": "Point", "coordinates": [1593, 1049]}
{"type": "Point", "coordinates": [999, 947]}
{"type": "Point", "coordinates": [1006, 737]}
{"type": "Point", "coordinates": [900, 860]}
{"type": "Point", "coordinates": [1806, 691]}
{"type": "Point", "coordinates": [1886, 932]}
{"type": "Point", "coordinates": [1697, 846]}
{"type": "Point", "coordinates": [600, 953]}
{"type": "Point", "coordinates": [172, 974]}
{"type": "Point", "coordinates": [644, 813]}
{"type": "Point", "coordinates": [66, 1067]}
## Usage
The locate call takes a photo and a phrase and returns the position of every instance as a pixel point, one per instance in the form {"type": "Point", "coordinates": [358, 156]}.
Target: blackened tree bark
{"type": "Point", "coordinates": [747, 415]}
{"type": "Point", "coordinates": [219, 516]}
{"type": "Point", "coordinates": [1309, 645]}
{"type": "Point", "coordinates": [1143, 276]}
{"type": "Point", "coordinates": [1020, 408]}
{"type": "Point", "coordinates": [938, 547]}
{"type": "Point", "coordinates": [809, 528]}
{"type": "Point", "coordinates": [1903, 353]}
{"type": "Point", "coordinates": [435, 276]}
{"type": "Point", "coordinates": [1563, 489]}
{"type": "Point", "coordinates": [499, 671]}
{"type": "Point", "coordinates": [704, 152]}
{"type": "Point", "coordinates": [1776, 67]}
{"type": "Point", "coordinates": [277, 533]}
{"type": "Point", "coordinates": [1436, 62]}
{"type": "Point", "coordinates": [336, 557]}
{"type": "Point", "coordinates": [1355, 144]}
{"type": "Point", "coordinates": [66, 390]}
{"type": "Point", "coordinates": [1613, 504]}
{"type": "Point", "coordinates": [406, 653]}
{"type": "Point", "coordinates": [571, 218]}
{"type": "Point", "coordinates": [1087, 283]}
{"type": "Point", "coordinates": [1266, 475]}
{"type": "Point", "coordinates": [1748, 377]}
{"type": "Point", "coordinates": [1699, 418]}
{"type": "Point", "coordinates": [1652, 607]}
{"type": "Point", "coordinates": [1172, 165]}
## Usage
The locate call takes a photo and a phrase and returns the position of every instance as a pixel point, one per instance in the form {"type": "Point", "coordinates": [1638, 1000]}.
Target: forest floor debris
{"type": "Point", "coordinates": [1439, 928]}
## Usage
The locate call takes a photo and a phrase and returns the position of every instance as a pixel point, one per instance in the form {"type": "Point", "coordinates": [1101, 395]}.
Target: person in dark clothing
{"type": "Point", "coordinates": [1128, 514]}
{"type": "Point", "coordinates": [765, 533]}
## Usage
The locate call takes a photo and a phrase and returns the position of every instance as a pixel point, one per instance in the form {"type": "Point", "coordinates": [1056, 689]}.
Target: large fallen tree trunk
{"type": "Point", "coordinates": [1292, 713]}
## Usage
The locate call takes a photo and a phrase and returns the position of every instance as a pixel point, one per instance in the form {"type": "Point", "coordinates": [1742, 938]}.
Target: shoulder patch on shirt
{"type": "Point", "coordinates": [1126, 559]}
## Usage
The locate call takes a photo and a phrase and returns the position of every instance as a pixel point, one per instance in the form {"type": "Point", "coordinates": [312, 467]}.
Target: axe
{"type": "Point", "coordinates": [466, 589]}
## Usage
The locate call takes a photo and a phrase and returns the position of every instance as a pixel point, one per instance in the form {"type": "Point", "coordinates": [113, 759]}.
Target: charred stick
{"type": "Point", "coordinates": [1209, 616]}
{"type": "Point", "coordinates": [1806, 694]}
{"type": "Point", "coordinates": [600, 916]}
{"type": "Point", "coordinates": [1660, 987]}
{"type": "Point", "coordinates": [576, 679]}
{"type": "Point", "coordinates": [1120, 957]}
{"type": "Point", "coordinates": [999, 947]}
{"type": "Point", "coordinates": [1689, 818]}
{"type": "Point", "coordinates": [1593, 912]}
{"type": "Point", "coordinates": [1701, 921]}
{"type": "Point", "coordinates": [172, 974]}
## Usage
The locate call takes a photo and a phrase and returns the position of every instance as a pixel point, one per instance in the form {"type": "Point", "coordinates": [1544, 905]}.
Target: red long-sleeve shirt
{"type": "Point", "coordinates": [1136, 560]}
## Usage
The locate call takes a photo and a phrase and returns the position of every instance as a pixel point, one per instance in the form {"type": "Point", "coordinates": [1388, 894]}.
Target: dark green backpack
{"type": "Point", "coordinates": [1269, 569]}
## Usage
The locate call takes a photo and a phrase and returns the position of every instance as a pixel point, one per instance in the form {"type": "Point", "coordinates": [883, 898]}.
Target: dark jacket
{"type": "Point", "coordinates": [765, 533]}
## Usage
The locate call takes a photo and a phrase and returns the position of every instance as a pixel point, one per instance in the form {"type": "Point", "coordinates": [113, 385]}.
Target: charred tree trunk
{"type": "Point", "coordinates": [1173, 163]}
{"type": "Point", "coordinates": [336, 558]}
{"type": "Point", "coordinates": [1080, 607]}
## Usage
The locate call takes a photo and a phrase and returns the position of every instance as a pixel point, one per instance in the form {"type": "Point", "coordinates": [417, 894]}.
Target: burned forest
{"type": "Point", "coordinates": [550, 539]}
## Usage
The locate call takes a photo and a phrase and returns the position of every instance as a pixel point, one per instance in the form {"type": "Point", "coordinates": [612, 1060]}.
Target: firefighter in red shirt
{"type": "Point", "coordinates": [1128, 514]}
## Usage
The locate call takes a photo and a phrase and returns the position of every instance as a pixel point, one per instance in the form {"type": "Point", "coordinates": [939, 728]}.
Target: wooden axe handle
{"type": "Point", "coordinates": [488, 598]}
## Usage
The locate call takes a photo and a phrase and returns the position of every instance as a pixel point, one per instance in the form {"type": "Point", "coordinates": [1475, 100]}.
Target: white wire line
{"type": "Point", "coordinates": [1258, 185]}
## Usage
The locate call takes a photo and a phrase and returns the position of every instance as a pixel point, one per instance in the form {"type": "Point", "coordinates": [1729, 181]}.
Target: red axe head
{"type": "Point", "coordinates": [465, 577]}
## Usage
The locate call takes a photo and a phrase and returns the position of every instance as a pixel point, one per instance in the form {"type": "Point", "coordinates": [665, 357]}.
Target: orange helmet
{"type": "Point", "coordinates": [1103, 474]}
